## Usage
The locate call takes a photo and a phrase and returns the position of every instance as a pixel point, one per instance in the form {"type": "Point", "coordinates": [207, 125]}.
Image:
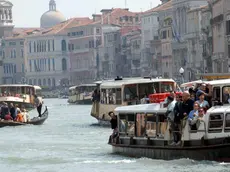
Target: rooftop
{"type": "Point", "coordinates": [161, 7]}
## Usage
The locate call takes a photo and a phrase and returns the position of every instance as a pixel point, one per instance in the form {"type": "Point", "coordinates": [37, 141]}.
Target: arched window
{"type": "Point", "coordinates": [49, 64]}
{"type": "Point", "coordinates": [49, 82]}
{"type": "Point", "coordinates": [35, 82]}
{"type": "Point", "coordinates": [64, 64]}
{"type": "Point", "coordinates": [30, 81]}
{"type": "Point", "coordinates": [44, 82]}
{"type": "Point", "coordinates": [30, 47]}
{"type": "Point", "coordinates": [54, 82]}
{"type": "Point", "coordinates": [63, 45]}
{"type": "Point", "coordinates": [39, 82]}
{"type": "Point", "coordinates": [34, 47]}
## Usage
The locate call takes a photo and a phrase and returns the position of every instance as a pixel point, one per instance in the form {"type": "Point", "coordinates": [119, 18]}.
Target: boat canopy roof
{"type": "Point", "coordinates": [21, 85]}
{"type": "Point", "coordinates": [82, 85]}
{"type": "Point", "coordinates": [127, 81]}
{"type": "Point", "coordinates": [192, 83]}
{"type": "Point", "coordinates": [143, 108]}
{"type": "Point", "coordinates": [218, 82]}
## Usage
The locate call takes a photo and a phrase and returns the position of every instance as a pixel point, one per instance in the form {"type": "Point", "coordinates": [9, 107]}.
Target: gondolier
{"type": "Point", "coordinates": [38, 103]}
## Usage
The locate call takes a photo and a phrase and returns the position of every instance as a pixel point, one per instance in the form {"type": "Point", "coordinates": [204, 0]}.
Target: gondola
{"type": "Point", "coordinates": [33, 121]}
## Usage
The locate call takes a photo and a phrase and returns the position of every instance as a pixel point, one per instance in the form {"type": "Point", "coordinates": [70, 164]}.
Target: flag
{"type": "Point", "coordinates": [175, 34]}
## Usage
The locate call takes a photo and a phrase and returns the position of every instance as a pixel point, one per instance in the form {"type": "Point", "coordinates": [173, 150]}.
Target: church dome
{"type": "Point", "coordinates": [51, 17]}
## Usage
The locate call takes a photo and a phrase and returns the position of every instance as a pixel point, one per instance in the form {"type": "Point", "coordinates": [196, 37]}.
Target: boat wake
{"type": "Point", "coordinates": [125, 161]}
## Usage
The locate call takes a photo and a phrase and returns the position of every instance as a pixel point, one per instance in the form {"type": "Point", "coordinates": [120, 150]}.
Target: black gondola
{"type": "Point", "coordinates": [33, 121]}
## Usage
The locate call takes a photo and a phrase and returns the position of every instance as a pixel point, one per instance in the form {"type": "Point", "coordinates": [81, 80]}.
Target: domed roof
{"type": "Point", "coordinates": [51, 17]}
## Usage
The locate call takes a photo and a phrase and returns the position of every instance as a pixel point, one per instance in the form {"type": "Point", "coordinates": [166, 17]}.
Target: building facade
{"type": "Point", "coordinates": [180, 28]}
{"type": "Point", "coordinates": [134, 41]}
{"type": "Point", "coordinates": [110, 52]}
{"type": "Point", "coordinates": [13, 60]}
{"type": "Point", "coordinates": [83, 45]}
{"type": "Point", "coordinates": [150, 42]}
{"type": "Point", "coordinates": [47, 55]}
{"type": "Point", "coordinates": [195, 63]}
{"type": "Point", "coordinates": [165, 29]}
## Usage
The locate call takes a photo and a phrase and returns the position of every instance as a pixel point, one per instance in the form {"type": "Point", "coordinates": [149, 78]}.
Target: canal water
{"type": "Point", "coordinates": [70, 140]}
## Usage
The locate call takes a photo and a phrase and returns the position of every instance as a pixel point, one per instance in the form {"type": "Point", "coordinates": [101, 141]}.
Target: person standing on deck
{"type": "Point", "coordinates": [113, 123]}
{"type": "Point", "coordinates": [12, 111]}
{"type": "Point", "coordinates": [38, 104]}
{"type": "Point", "coordinates": [181, 110]}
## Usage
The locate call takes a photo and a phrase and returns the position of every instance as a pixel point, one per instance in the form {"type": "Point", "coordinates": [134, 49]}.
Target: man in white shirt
{"type": "Point", "coordinates": [38, 104]}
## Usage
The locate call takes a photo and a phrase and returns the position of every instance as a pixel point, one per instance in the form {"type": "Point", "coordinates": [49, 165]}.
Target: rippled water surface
{"type": "Point", "coordinates": [70, 141]}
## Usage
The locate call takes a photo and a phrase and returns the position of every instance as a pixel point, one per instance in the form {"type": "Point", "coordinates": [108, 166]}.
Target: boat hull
{"type": "Point", "coordinates": [33, 121]}
{"type": "Point", "coordinates": [212, 153]}
{"type": "Point", "coordinates": [84, 102]}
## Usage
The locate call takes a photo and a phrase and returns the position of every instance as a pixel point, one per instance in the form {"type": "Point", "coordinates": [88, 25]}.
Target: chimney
{"type": "Point", "coordinates": [106, 11]}
{"type": "Point", "coordinates": [96, 17]}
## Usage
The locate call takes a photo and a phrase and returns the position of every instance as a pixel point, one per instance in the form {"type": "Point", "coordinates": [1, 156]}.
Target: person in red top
{"type": "Point", "coordinates": [8, 117]}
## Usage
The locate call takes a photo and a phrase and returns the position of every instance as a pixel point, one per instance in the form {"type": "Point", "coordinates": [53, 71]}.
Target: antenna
{"type": "Point", "coordinates": [95, 11]}
{"type": "Point", "coordinates": [125, 3]}
{"type": "Point", "coordinates": [151, 4]}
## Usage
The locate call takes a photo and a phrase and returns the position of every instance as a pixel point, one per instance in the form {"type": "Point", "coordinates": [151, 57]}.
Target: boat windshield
{"type": "Point", "coordinates": [167, 87]}
{"type": "Point", "coordinates": [16, 90]}
{"type": "Point", "coordinates": [38, 92]}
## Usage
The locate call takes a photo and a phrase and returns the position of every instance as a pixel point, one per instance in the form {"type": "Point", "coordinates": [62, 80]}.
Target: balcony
{"type": "Point", "coordinates": [82, 50]}
{"type": "Point", "coordinates": [217, 19]}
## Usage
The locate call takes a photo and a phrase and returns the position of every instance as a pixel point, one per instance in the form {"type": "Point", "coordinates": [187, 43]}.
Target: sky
{"type": "Point", "coordinates": [27, 13]}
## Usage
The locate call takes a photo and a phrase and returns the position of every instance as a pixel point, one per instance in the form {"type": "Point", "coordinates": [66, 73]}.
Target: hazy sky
{"type": "Point", "coordinates": [27, 13]}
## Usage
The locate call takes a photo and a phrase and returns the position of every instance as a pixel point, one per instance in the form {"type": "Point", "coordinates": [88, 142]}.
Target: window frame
{"type": "Point", "coordinates": [215, 130]}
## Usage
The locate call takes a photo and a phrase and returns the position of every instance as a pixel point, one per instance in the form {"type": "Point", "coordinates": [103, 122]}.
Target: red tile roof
{"type": "Point", "coordinates": [64, 26]}
{"type": "Point", "coordinates": [162, 7]}
{"type": "Point", "coordinates": [114, 16]}
{"type": "Point", "coordinates": [20, 33]}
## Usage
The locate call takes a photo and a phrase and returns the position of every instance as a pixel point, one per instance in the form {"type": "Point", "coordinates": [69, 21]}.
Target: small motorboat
{"type": "Point", "coordinates": [33, 121]}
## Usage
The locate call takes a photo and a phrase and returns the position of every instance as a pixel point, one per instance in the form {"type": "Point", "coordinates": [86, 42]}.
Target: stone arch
{"type": "Point", "coordinates": [30, 81]}
{"type": "Point", "coordinates": [54, 82]}
{"type": "Point", "coordinates": [35, 82]}
{"type": "Point", "coordinates": [64, 64]}
{"type": "Point", "coordinates": [44, 82]}
{"type": "Point", "coordinates": [63, 45]}
{"type": "Point", "coordinates": [49, 82]}
{"type": "Point", "coordinates": [39, 82]}
{"type": "Point", "coordinates": [35, 46]}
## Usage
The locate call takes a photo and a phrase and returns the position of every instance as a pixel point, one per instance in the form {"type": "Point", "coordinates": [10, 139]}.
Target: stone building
{"type": "Point", "coordinates": [6, 29]}
{"type": "Point", "coordinates": [95, 49]}
{"type": "Point", "coordinates": [134, 42]}
{"type": "Point", "coordinates": [47, 54]}
{"type": "Point", "coordinates": [12, 50]}
{"type": "Point", "coordinates": [52, 17]}
{"type": "Point", "coordinates": [150, 43]}
{"type": "Point", "coordinates": [165, 62]}
{"type": "Point", "coordinates": [180, 27]}
{"type": "Point", "coordinates": [195, 63]}
{"type": "Point", "coordinates": [83, 46]}
{"type": "Point", "coordinates": [206, 38]}
{"type": "Point", "coordinates": [221, 31]}
{"type": "Point", "coordinates": [110, 52]}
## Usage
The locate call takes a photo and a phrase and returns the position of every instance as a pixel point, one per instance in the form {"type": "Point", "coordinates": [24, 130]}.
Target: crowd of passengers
{"type": "Point", "coordinates": [190, 105]}
{"type": "Point", "coordinates": [13, 113]}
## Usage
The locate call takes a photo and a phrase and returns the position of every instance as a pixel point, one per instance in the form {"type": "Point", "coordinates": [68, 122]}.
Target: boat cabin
{"type": "Point", "coordinates": [220, 90]}
{"type": "Point", "coordinates": [146, 125]}
{"type": "Point", "coordinates": [19, 94]}
{"type": "Point", "coordinates": [128, 91]}
{"type": "Point", "coordinates": [81, 92]}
